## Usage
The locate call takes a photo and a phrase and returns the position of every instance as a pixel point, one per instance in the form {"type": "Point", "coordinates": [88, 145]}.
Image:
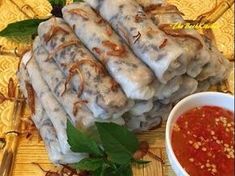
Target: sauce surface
{"type": "Point", "coordinates": [203, 141]}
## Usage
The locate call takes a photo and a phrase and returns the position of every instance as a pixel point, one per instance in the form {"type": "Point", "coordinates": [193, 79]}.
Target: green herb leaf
{"type": "Point", "coordinates": [118, 170]}
{"type": "Point", "coordinates": [79, 142]}
{"type": "Point", "coordinates": [57, 2]}
{"type": "Point", "coordinates": [141, 161]}
{"type": "Point", "coordinates": [21, 28]}
{"type": "Point", "coordinates": [78, 1]}
{"type": "Point", "coordinates": [126, 171]}
{"type": "Point", "coordinates": [119, 143]}
{"type": "Point", "coordinates": [89, 164]}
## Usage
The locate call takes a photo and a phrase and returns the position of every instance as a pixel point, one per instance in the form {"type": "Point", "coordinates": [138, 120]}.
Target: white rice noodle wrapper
{"type": "Point", "coordinates": [140, 123]}
{"type": "Point", "coordinates": [159, 110]}
{"type": "Point", "coordinates": [56, 79]}
{"type": "Point", "coordinates": [189, 86]}
{"type": "Point", "coordinates": [218, 69]}
{"type": "Point", "coordinates": [207, 60]}
{"type": "Point", "coordinates": [136, 80]}
{"type": "Point", "coordinates": [197, 58]}
{"type": "Point", "coordinates": [49, 136]}
{"type": "Point", "coordinates": [52, 107]}
{"type": "Point", "coordinates": [163, 55]}
{"type": "Point", "coordinates": [166, 90]}
{"type": "Point", "coordinates": [46, 128]}
{"type": "Point", "coordinates": [103, 100]}
{"type": "Point", "coordinates": [141, 107]}
{"type": "Point", "coordinates": [203, 86]}
{"type": "Point", "coordinates": [148, 120]}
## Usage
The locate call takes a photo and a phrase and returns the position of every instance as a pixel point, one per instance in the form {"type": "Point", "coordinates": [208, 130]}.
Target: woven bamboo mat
{"type": "Point", "coordinates": [33, 150]}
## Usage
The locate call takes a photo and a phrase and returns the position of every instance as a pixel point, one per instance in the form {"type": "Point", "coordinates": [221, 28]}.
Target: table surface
{"type": "Point", "coordinates": [33, 150]}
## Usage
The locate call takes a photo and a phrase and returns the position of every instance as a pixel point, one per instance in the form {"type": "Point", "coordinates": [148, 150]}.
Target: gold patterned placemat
{"type": "Point", "coordinates": [33, 150]}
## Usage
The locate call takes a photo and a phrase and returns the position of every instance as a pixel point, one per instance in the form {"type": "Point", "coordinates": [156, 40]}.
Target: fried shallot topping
{"type": "Point", "coordinates": [62, 46]}
{"type": "Point", "coordinates": [103, 57]}
{"type": "Point", "coordinates": [159, 9]}
{"type": "Point", "coordinates": [163, 44]}
{"type": "Point", "coordinates": [109, 30]}
{"type": "Point", "coordinates": [78, 105]}
{"type": "Point", "coordinates": [96, 50]}
{"type": "Point", "coordinates": [80, 12]}
{"type": "Point", "coordinates": [31, 96]}
{"type": "Point", "coordinates": [75, 69]}
{"type": "Point", "coordinates": [55, 29]}
{"type": "Point", "coordinates": [99, 20]}
{"type": "Point", "coordinates": [72, 73]}
{"type": "Point", "coordinates": [137, 37]}
{"type": "Point", "coordinates": [179, 33]}
{"type": "Point", "coordinates": [115, 49]}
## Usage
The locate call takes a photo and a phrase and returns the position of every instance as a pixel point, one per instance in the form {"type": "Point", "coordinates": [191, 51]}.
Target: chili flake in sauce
{"type": "Point", "coordinates": [203, 141]}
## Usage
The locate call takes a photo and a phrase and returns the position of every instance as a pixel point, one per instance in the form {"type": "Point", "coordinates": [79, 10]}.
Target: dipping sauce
{"type": "Point", "coordinates": [203, 141]}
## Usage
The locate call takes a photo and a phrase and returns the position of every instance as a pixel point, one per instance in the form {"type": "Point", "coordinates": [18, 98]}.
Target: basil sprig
{"type": "Point", "coordinates": [21, 28]}
{"type": "Point", "coordinates": [29, 27]}
{"type": "Point", "coordinates": [113, 156]}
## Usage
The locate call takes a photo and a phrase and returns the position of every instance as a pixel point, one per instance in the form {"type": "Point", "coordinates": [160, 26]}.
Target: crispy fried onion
{"type": "Point", "coordinates": [137, 37]}
{"type": "Point", "coordinates": [79, 12]}
{"type": "Point", "coordinates": [157, 9]}
{"type": "Point", "coordinates": [179, 33]}
{"type": "Point", "coordinates": [75, 69]}
{"type": "Point", "coordinates": [55, 29]}
{"type": "Point", "coordinates": [31, 96]}
{"type": "Point", "coordinates": [163, 44]}
{"type": "Point", "coordinates": [99, 20]}
{"type": "Point", "coordinates": [97, 50]}
{"type": "Point", "coordinates": [109, 30]}
{"type": "Point", "coordinates": [101, 54]}
{"type": "Point", "coordinates": [64, 171]}
{"type": "Point", "coordinates": [114, 85]}
{"type": "Point", "coordinates": [78, 105]}
{"type": "Point", "coordinates": [115, 49]}
{"type": "Point", "coordinates": [60, 47]}
{"type": "Point", "coordinates": [143, 150]}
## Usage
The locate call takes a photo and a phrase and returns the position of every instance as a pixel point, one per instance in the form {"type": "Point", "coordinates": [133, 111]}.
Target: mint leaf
{"type": "Point", "coordinates": [79, 142]}
{"type": "Point", "coordinates": [21, 28]}
{"type": "Point", "coordinates": [89, 164]}
{"type": "Point", "coordinates": [119, 143]}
